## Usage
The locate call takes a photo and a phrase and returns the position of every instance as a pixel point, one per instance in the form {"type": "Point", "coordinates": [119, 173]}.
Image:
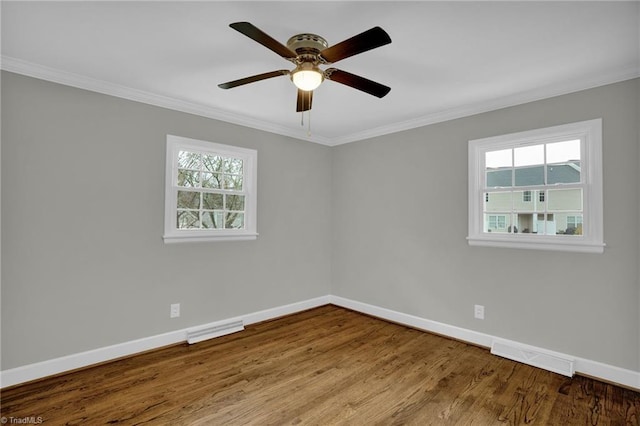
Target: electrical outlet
{"type": "Point", "coordinates": [175, 310]}
{"type": "Point", "coordinates": [478, 311]}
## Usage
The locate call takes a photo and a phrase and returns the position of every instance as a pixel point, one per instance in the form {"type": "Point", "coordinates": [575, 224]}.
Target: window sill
{"type": "Point", "coordinates": [538, 243]}
{"type": "Point", "coordinates": [170, 239]}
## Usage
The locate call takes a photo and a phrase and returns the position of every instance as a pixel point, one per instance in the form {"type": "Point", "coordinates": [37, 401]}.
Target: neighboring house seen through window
{"type": "Point", "coordinates": [210, 191]}
{"type": "Point", "coordinates": [546, 184]}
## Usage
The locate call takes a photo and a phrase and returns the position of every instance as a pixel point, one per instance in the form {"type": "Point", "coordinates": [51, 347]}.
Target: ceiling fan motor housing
{"type": "Point", "coordinates": [307, 44]}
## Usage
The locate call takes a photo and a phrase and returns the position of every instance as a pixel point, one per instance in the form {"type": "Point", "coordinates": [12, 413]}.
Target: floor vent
{"type": "Point", "coordinates": [533, 356]}
{"type": "Point", "coordinates": [215, 330]}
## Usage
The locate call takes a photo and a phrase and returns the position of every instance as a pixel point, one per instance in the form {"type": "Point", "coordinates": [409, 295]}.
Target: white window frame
{"type": "Point", "coordinates": [250, 158]}
{"type": "Point", "coordinates": [590, 134]}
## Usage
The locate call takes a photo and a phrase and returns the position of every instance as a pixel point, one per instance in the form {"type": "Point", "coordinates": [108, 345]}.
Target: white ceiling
{"type": "Point", "coordinates": [447, 59]}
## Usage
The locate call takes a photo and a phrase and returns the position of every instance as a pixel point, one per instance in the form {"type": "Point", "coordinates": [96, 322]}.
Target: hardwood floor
{"type": "Point", "coordinates": [325, 366]}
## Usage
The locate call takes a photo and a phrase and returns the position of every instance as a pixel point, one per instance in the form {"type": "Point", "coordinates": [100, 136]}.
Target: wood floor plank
{"type": "Point", "coordinates": [325, 366]}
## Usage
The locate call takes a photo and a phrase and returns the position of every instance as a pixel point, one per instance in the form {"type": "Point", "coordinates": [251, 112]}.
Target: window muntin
{"type": "Point", "coordinates": [542, 181]}
{"type": "Point", "coordinates": [210, 191]}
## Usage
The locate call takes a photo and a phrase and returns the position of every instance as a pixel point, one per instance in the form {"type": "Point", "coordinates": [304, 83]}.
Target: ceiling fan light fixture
{"type": "Point", "coordinates": [307, 77]}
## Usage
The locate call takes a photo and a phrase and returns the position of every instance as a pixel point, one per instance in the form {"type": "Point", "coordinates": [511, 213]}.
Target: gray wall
{"type": "Point", "coordinates": [84, 265]}
{"type": "Point", "coordinates": [381, 221]}
{"type": "Point", "coordinates": [400, 221]}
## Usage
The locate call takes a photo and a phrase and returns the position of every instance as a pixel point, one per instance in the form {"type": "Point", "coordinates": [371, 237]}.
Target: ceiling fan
{"type": "Point", "coordinates": [307, 52]}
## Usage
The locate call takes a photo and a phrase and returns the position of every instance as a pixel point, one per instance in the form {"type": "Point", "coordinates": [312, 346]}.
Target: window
{"type": "Point", "coordinates": [496, 223]}
{"type": "Point", "coordinates": [210, 191]}
{"type": "Point", "coordinates": [538, 189]}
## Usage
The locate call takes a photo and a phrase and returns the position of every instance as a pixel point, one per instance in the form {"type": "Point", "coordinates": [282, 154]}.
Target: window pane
{"type": "Point", "coordinates": [500, 223]}
{"type": "Point", "coordinates": [528, 155]}
{"type": "Point", "coordinates": [497, 201]}
{"type": "Point", "coordinates": [233, 182]}
{"type": "Point", "coordinates": [527, 176]}
{"type": "Point", "coordinates": [212, 220]}
{"type": "Point", "coordinates": [563, 152]}
{"type": "Point", "coordinates": [499, 178]}
{"type": "Point", "coordinates": [211, 180]}
{"type": "Point", "coordinates": [564, 173]}
{"type": "Point", "coordinates": [565, 199]}
{"type": "Point", "coordinates": [188, 178]}
{"type": "Point", "coordinates": [189, 160]}
{"type": "Point", "coordinates": [188, 200]}
{"type": "Point", "coordinates": [188, 219]}
{"type": "Point", "coordinates": [234, 220]}
{"type": "Point", "coordinates": [498, 159]}
{"type": "Point", "coordinates": [212, 201]}
{"type": "Point", "coordinates": [212, 163]}
{"type": "Point", "coordinates": [235, 202]}
{"type": "Point", "coordinates": [233, 166]}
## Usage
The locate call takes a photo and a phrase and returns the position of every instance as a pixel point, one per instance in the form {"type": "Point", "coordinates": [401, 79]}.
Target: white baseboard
{"type": "Point", "coordinates": [23, 374]}
{"type": "Point", "coordinates": [470, 336]}
{"type": "Point", "coordinates": [281, 311]}
{"type": "Point", "coordinates": [54, 366]}
{"type": "Point", "coordinates": [27, 373]}
{"type": "Point", "coordinates": [587, 367]}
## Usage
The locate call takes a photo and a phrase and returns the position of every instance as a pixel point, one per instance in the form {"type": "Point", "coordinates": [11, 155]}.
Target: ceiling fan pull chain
{"type": "Point", "coordinates": [309, 124]}
{"type": "Point", "coordinates": [302, 118]}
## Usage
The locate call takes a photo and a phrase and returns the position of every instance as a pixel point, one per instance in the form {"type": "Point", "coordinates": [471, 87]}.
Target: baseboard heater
{"type": "Point", "coordinates": [532, 356]}
{"type": "Point", "coordinates": [210, 331]}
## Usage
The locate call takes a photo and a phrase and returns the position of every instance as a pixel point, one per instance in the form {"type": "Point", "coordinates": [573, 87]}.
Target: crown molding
{"type": "Point", "coordinates": [54, 75]}
{"type": "Point", "coordinates": [30, 69]}
{"type": "Point", "coordinates": [493, 104]}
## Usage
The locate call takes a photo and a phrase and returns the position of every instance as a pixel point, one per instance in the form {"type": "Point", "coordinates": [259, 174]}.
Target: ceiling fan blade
{"type": "Point", "coordinates": [263, 38]}
{"type": "Point", "coordinates": [370, 39]}
{"type": "Point", "coordinates": [252, 79]}
{"type": "Point", "coordinates": [304, 100]}
{"type": "Point", "coordinates": [357, 82]}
